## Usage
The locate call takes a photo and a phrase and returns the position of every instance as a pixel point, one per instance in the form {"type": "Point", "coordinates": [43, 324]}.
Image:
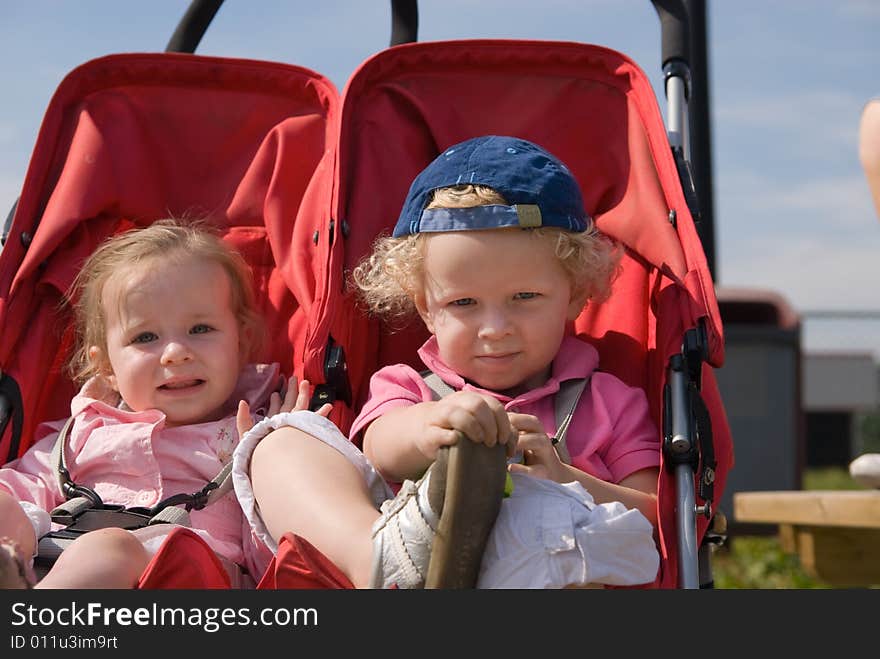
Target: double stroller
{"type": "Point", "coordinates": [301, 179]}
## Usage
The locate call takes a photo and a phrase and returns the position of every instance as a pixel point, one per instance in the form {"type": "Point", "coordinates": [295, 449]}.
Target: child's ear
{"type": "Point", "coordinates": [579, 299]}
{"type": "Point", "coordinates": [102, 366]}
{"type": "Point", "coordinates": [422, 308]}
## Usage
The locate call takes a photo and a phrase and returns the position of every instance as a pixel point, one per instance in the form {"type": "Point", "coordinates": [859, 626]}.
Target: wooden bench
{"type": "Point", "coordinates": [836, 533]}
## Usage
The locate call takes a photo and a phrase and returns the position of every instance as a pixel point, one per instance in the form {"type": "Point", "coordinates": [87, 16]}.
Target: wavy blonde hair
{"type": "Point", "coordinates": [392, 275]}
{"type": "Point", "coordinates": [170, 240]}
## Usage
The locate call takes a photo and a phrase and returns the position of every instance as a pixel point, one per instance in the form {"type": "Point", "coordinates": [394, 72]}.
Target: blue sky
{"type": "Point", "coordinates": [788, 82]}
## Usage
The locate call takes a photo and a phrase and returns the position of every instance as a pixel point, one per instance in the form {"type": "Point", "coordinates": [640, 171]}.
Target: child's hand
{"type": "Point", "coordinates": [296, 398]}
{"type": "Point", "coordinates": [539, 456]}
{"type": "Point", "coordinates": [482, 419]}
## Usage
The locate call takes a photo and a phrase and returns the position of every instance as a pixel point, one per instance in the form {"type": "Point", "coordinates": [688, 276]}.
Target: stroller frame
{"type": "Point", "coordinates": [687, 428]}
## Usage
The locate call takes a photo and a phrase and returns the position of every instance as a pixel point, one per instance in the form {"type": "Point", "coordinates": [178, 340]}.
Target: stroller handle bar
{"type": "Point", "coordinates": [404, 21]}
{"type": "Point", "coordinates": [673, 16]}
{"type": "Point", "coordinates": [200, 13]}
{"type": "Point", "coordinates": [192, 26]}
{"type": "Point", "coordinates": [674, 29]}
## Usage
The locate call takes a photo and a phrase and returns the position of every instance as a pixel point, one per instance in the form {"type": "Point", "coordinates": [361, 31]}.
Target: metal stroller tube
{"type": "Point", "coordinates": [680, 449]}
{"type": "Point", "coordinates": [677, 112]}
{"type": "Point", "coordinates": [686, 525]}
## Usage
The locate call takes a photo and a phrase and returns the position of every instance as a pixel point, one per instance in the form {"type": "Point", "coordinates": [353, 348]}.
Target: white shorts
{"type": "Point", "coordinates": [551, 535]}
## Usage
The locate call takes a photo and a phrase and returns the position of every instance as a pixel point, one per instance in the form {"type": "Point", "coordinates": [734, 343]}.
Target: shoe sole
{"type": "Point", "coordinates": [475, 477]}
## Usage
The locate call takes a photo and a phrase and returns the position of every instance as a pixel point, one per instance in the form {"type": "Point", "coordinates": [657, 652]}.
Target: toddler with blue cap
{"type": "Point", "coordinates": [496, 254]}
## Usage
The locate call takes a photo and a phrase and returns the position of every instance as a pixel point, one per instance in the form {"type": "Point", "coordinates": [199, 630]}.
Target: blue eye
{"type": "Point", "coordinates": [145, 337]}
{"type": "Point", "coordinates": [526, 296]}
{"type": "Point", "coordinates": [463, 302]}
{"type": "Point", "coordinates": [201, 329]}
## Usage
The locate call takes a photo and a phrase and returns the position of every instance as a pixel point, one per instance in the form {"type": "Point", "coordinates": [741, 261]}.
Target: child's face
{"type": "Point", "coordinates": [498, 302]}
{"type": "Point", "coordinates": [172, 339]}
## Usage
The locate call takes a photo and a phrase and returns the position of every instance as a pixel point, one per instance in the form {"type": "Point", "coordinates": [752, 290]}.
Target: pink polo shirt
{"type": "Point", "coordinates": [132, 459]}
{"type": "Point", "coordinates": [611, 434]}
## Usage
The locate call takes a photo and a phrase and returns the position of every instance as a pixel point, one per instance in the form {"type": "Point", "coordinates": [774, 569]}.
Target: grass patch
{"type": "Point", "coordinates": [759, 562]}
{"type": "Point", "coordinates": [829, 478]}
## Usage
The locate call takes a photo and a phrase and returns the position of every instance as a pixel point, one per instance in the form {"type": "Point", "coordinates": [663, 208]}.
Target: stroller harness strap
{"type": "Point", "coordinates": [565, 403]}
{"type": "Point", "coordinates": [85, 511]}
{"type": "Point", "coordinates": [81, 498]}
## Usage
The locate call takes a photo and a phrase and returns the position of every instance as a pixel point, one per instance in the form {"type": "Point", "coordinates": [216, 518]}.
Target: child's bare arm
{"type": "Point", "coordinates": [403, 442]}
{"type": "Point", "coordinates": [638, 490]}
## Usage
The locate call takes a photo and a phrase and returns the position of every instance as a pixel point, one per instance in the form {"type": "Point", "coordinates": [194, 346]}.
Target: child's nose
{"type": "Point", "coordinates": [176, 351]}
{"type": "Point", "coordinates": [495, 323]}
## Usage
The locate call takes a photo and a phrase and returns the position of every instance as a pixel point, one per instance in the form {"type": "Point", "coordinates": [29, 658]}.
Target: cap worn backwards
{"type": "Point", "coordinates": [540, 189]}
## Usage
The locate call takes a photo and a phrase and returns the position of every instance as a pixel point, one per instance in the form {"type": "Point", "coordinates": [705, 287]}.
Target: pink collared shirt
{"type": "Point", "coordinates": [611, 434]}
{"type": "Point", "coordinates": [132, 459]}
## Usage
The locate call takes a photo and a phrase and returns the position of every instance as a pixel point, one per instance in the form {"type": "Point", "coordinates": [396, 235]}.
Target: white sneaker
{"type": "Point", "coordinates": [433, 533]}
{"type": "Point", "coordinates": [404, 534]}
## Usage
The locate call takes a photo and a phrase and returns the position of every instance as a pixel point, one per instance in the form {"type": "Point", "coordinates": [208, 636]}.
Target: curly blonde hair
{"type": "Point", "coordinates": [171, 240]}
{"type": "Point", "coordinates": [392, 275]}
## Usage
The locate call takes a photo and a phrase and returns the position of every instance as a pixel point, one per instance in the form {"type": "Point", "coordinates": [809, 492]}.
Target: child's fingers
{"type": "Point", "coordinates": [302, 396]}
{"type": "Point", "coordinates": [536, 445]}
{"type": "Point", "coordinates": [471, 425]}
{"type": "Point", "coordinates": [324, 410]}
{"type": "Point", "coordinates": [274, 404]}
{"type": "Point", "coordinates": [296, 397]}
{"type": "Point", "coordinates": [243, 420]}
{"type": "Point", "coordinates": [504, 431]}
{"type": "Point", "coordinates": [525, 422]}
{"type": "Point", "coordinates": [435, 437]}
{"type": "Point", "coordinates": [494, 423]}
{"type": "Point", "coordinates": [290, 394]}
{"type": "Point", "coordinates": [482, 418]}
{"type": "Point", "coordinates": [522, 423]}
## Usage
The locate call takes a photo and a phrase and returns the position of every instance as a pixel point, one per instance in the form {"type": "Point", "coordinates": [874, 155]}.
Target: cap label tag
{"type": "Point", "coordinates": [529, 215]}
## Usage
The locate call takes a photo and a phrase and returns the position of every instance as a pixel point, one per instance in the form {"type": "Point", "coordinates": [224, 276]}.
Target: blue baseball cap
{"type": "Point", "coordinates": [540, 189]}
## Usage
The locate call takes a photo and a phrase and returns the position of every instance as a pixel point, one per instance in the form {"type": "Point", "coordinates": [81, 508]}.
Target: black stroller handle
{"type": "Point", "coordinates": [192, 26]}
{"type": "Point", "coordinates": [674, 30]}
{"type": "Point", "coordinates": [673, 16]}
{"type": "Point", "coordinates": [195, 22]}
{"type": "Point", "coordinates": [404, 21]}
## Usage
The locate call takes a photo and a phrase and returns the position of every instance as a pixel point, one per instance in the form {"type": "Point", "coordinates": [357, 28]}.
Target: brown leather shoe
{"type": "Point", "coordinates": [471, 496]}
